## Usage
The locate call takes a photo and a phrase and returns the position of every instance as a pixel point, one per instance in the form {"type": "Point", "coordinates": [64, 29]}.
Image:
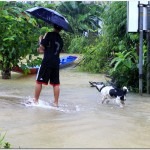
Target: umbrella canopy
{"type": "Point", "coordinates": [50, 16]}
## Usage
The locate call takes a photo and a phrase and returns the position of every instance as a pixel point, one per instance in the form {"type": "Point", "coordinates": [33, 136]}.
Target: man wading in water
{"type": "Point", "coordinates": [51, 45]}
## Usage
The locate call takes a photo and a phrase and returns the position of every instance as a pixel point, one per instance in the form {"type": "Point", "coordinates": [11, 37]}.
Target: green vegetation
{"type": "Point", "coordinates": [82, 17]}
{"type": "Point", "coordinates": [106, 48]}
{"type": "Point", "coordinates": [115, 51]}
{"type": "Point", "coordinates": [3, 144]}
{"type": "Point", "coordinates": [15, 36]}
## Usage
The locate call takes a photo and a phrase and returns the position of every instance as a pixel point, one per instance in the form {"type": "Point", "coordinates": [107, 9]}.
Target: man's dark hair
{"type": "Point", "coordinates": [57, 27]}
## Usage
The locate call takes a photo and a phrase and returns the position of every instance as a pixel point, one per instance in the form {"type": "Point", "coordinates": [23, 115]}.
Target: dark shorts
{"type": "Point", "coordinates": [46, 74]}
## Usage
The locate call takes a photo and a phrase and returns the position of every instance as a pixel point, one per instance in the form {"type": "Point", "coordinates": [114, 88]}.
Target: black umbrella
{"type": "Point", "coordinates": [50, 16]}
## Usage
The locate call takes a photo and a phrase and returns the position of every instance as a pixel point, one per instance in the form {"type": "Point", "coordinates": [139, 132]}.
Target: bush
{"type": "Point", "coordinates": [95, 57]}
{"type": "Point", "coordinates": [77, 44]}
{"type": "Point", "coordinates": [124, 69]}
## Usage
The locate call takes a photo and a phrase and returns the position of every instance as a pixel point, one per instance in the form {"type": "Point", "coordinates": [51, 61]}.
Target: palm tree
{"type": "Point", "coordinates": [82, 17]}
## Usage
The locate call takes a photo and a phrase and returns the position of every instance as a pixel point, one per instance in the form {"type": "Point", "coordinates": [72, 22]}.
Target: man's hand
{"type": "Point", "coordinates": [41, 49]}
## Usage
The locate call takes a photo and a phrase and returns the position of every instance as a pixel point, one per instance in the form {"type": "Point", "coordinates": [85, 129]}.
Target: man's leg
{"type": "Point", "coordinates": [38, 88]}
{"type": "Point", "coordinates": [56, 90]}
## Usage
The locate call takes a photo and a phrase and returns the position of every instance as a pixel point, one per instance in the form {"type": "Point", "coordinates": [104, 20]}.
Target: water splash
{"type": "Point", "coordinates": [28, 102]}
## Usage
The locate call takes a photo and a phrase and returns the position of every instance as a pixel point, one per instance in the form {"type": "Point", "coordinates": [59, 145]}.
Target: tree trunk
{"type": "Point", "coordinates": [6, 74]}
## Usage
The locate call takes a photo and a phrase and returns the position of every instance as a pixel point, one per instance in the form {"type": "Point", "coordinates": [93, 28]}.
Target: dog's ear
{"type": "Point", "coordinates": [113, 93]}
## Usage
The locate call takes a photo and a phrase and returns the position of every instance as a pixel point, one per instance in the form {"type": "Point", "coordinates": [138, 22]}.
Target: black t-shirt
{"type": "Point", "coordinates": [53, 44]}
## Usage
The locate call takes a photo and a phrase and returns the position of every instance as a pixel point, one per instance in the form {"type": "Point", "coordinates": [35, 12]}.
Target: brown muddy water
{"type": "Point", "coordinates": [81, 121]}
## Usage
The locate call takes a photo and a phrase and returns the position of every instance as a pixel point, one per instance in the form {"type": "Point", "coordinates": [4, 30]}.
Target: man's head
{"type": "Point", "coordinates": [57, 28]}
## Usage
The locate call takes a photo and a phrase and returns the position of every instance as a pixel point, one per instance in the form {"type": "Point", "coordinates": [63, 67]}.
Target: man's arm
{"type": "Point", "coordinates": [43, 41]}
{"type": "Point", "coordinates": [41, 48]}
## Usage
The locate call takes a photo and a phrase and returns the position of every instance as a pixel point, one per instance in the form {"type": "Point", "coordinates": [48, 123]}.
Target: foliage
{"type": "Point", "coordinates": [20, 27]}
{"type": "Point", "coordinates": [17, 35]}
{"type": "Point", "coordinates": [3, 144]}
{"type": "Point", "coordinates": [44, 30]}
{"type": "Point", "coordinates": [112, 51]}
{"type": "Point", "coordinates": [116, 51]}
{"type": "Point", "coordinates": [114, 19]}
{"type": "Point", "coordinates": [82, 17]}
{"type": "Point", "coordinates": [124, 66]}
{"type": "Point", "coordinates": [67, 38]}
{"type": "Point", "coordinates": [124, 69]}
{"type": "Point", "coordinates": [95, 57]}
{"type": "Point", "coordinates": [77, 44]}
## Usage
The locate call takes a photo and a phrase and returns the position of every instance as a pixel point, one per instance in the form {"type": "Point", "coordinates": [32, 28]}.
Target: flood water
{"type": "Point", "coordinates": [81, 121]}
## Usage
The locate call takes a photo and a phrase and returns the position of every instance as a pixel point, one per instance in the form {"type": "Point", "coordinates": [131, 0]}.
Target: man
{"type": "Point", "coordinates": [51, 45]}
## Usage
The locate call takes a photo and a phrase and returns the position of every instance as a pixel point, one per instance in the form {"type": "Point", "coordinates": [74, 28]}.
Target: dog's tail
{"type": "Point", "coordinates": [93, 84]}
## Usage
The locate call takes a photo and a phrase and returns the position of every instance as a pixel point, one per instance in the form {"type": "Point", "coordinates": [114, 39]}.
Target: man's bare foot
{"type": "Point", "coordinates": [35, 101]}
{"type": "Point", "coordinates": [54, 104]}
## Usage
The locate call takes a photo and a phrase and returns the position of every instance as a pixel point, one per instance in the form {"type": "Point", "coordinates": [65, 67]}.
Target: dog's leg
{"type": "Point", "coordinates": [114, 101]}
{"type": "Point", "coordinates": [103, 99]}
{"type": "Point", "coordinates": [118, 102]}
{"type": "Point", "coordinates": [121, 105]}
{"type": "Point", "coordinates": [107, 101]}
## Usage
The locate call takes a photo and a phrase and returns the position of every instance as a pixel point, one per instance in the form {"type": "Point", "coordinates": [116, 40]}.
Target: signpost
{"type": "Point", "coordinates": [140, 28]}
{"type": "Point", "coordinates": [139, 21]}
{"type": "Point", "coordinates": [148, 46]}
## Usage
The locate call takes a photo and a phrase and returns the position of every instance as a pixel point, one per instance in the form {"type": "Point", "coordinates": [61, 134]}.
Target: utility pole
{"type": "Point", "coordinates": [148, 48]}
{"type": "Point", "coordinates": [140, 65]}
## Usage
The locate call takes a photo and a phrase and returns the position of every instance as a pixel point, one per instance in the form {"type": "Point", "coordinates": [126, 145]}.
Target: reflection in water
{"type": "Point", "coordinates": [81, 121]}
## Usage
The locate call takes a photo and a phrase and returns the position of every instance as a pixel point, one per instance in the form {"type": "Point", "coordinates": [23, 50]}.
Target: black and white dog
{"type": "Point", "coordinates": [109, 92]}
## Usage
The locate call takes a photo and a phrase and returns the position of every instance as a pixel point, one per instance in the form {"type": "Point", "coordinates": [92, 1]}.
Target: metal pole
{"type": "Point", "coordinates": [148, 63]}
{"type": "Point", "coordinates": [148, 48]}
{"type": "Point", "coordinates": [141, 49]}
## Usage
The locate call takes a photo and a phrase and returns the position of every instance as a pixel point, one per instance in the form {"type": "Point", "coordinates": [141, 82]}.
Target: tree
{"type": "Point", "coordinates": [82, 17]}
{"type": "Point", "coordinates": [17, 35]}
{"type": "Point", "coordinates": [122, 48]}
{"type": "Point", "coordinates": [115, 52]}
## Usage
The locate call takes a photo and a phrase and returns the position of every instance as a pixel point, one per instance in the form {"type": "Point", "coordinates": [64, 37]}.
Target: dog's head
{"type": "Point", "coordinates": [125, 90]}
{"type": "Point", "coordinates": [121, 95]}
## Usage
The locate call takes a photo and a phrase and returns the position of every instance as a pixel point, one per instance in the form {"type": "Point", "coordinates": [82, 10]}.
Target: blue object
{"type": "Point", "coordinates": [64, 62]}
